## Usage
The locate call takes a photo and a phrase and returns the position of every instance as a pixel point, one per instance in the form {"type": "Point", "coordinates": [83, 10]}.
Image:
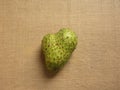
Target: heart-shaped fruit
{"type": "Point", "coordinates": [57, 48]}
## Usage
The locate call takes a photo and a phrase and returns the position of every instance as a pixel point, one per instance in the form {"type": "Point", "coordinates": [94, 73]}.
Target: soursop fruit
{"type": "Point", "coordinates": [57, 48]}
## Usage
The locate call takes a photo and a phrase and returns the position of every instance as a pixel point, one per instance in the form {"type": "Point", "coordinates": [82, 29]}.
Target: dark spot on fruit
{"type": "Point", "coordinates": [56, 44]}
{"type": "Point", "coordinates": [67, 37]}
{"type": "Point", "coordinates": [45, 48]}
{"type": "Point", "coordinates": [61, 53]}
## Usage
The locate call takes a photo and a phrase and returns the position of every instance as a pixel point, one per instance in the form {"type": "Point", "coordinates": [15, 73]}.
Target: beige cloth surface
{"type": "Point", "coordinates": [94, 65]}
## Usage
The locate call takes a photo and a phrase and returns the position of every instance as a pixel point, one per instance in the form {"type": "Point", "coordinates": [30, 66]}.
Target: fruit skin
{"type": "Point", "coordinates": [57, 48]}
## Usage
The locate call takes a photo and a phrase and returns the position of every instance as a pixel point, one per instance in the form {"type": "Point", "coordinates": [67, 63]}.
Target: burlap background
{"type": "Point", "coordinates": [94, 65]}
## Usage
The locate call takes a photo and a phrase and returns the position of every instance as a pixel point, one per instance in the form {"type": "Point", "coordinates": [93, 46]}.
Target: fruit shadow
{"type": "Point", "coordinates": [47, 73]}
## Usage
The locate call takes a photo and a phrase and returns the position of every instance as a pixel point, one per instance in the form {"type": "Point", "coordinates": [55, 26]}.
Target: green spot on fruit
{"type": "Point", "coordinates": [57, 48]}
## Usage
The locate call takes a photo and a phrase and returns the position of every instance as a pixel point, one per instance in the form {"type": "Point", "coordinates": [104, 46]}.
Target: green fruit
{"type": "Point", "coordinates": [57, 48]}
